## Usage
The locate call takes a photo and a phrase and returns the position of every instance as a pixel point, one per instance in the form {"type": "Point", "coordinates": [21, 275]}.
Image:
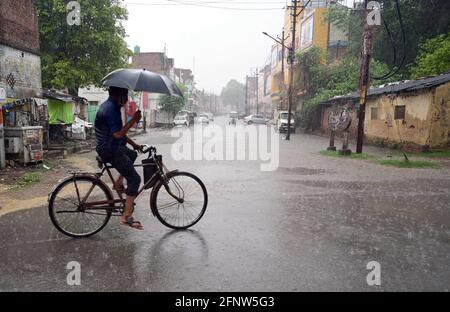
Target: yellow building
{"type": "Point", "coordinates": [312, 29]}
{"type": "Point", "coordinates": [409, 114]}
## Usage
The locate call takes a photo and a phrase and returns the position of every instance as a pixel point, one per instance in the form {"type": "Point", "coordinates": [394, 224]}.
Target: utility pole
{"type": "Point", "coordinates": [283, 38]}
{"type": "Point", "coordinates": [257, 91]}
{"type": "Point", "coordinates": [291, 67]}
{"type": "Point", "coordinates": [291, 61]}
{"type": "Point", "coordinates": [364, 77]}
{"type": "Point", "coordinates": [246, 94]}
{"type": "Point", "coordinates": [281, 42]}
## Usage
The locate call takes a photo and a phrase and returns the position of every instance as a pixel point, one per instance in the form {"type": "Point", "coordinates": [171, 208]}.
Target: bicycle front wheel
{"type": "Point", "coordinates": [187, 208]}
{"type": "Point", "coordinates": [68, 211]}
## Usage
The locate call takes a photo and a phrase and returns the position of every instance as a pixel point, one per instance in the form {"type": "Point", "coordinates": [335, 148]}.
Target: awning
{"type": "Point", "coordinates": [60, 112]}
{"type": "Point", "coordinates": [12, 103]}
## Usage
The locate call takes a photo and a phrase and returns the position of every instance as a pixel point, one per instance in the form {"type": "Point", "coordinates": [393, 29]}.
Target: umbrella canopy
{"type": "Point", "coordinates": [141, 80]}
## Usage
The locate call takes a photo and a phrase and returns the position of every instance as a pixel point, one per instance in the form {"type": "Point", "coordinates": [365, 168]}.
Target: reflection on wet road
{"type": "Point", "coordinates": [311, 225]}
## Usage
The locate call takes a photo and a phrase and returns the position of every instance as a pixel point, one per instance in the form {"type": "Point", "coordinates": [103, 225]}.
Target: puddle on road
{"type": "Point", "coordinates": [301, 171]}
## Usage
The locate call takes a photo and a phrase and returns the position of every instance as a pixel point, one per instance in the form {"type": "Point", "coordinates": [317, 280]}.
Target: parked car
{"type": "Point", "coordinates": [282, 122]}
{"type": "Point", "coordinates": [255, 119]}
{"type": "Point", "coordinates": [241, 115]}
{"type": "Point", "coordinates": [181, 120]}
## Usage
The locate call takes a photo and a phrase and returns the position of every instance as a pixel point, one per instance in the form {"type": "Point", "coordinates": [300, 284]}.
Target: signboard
{"type": "Point", "coordinates": [306, 33]}
{"type": "Point", "coordinates": [274, 60]}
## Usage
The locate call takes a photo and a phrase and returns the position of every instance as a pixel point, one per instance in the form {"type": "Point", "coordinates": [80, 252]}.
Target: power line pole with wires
{"type": "Point", "coordinates": [257, 91]}
{"type": "Point", "coordinates": [364, 80]}
{"type": "Point", "coordinates": [246, 95]}
{"type": "Point", "coordinates": [291, 61]}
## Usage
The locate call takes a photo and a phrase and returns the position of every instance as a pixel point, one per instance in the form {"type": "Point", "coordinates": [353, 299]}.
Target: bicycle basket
{"type": "Point", "coordinates": [150, 169]}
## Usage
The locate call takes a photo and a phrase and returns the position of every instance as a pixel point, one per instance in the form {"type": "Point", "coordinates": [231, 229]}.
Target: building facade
{"type": "Point", "coordinates": [413, 114]}
{"type": "Point", "coordinates": [160, 63]}
{"type": "Point", "coordinates": [20, 64]}
{"type": "Point", "coordinates": [312, 30]}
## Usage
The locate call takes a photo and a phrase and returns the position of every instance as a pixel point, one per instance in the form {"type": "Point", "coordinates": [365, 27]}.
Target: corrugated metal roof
{"type": "Point", "coordinates": [49, 94]}
{"type": "Point", "coordinates": [396, 87]}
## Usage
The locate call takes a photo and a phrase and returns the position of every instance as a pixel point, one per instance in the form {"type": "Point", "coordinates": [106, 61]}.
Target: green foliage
{"type": "Point", "coordinates": [434, 57]}
{"type": "Point", "coordinates": [324, 81]}
{"type": "Point", "coordinates": [233, 95]}
{"type": "Point", "coordinates": [173, 104]}
{"type": "Point", "coordinates": [351, 156]}
{"type": "Point", "coordinates": [75, 56]}
{"type": "Point", "coordinates": [399, 163]}
{"type": "Point", "coordinates": [422, 20]}
{"type": "Point", "coordinates": [435, 154]}
{"type": "Point", "coordinates": [350, 22]}
{"type": "Point", "coordinates": [418, 164]}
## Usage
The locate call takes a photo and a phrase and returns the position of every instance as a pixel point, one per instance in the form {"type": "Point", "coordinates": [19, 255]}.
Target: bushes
{"type": "Point", "coordinates": [434, 57]}
{"type": "Point", "coordinates": [324, 81]}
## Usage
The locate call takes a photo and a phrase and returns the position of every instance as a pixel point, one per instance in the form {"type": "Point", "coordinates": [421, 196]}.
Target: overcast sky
{"type": "Point", "coordinates": [225, 43]}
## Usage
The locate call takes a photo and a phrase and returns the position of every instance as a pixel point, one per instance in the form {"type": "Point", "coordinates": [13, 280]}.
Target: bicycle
{"type": "Point", "coordinates": [81, 204]}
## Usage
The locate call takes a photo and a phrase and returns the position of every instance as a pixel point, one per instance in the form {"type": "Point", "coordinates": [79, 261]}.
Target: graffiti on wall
{"type": "Point", "coordinates": [20, 72]}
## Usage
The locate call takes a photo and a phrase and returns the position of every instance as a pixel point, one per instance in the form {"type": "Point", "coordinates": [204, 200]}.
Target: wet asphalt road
{"type": "Point", "coordinates": [311, 225]}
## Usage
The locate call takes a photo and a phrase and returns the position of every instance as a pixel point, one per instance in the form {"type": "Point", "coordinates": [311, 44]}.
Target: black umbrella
{"type": "Point", "coordinates": [141, 80]}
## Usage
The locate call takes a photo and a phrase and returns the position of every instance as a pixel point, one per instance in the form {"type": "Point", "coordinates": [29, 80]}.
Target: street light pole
{"type": "Point", "coordinates": [291, 60]}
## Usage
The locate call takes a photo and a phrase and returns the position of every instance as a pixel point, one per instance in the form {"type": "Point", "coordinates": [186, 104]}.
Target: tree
{"type": "Point", "coordinates": [233, 95]}
{"type": "Point", "coordinates": [74, 56]}
{"type": "Point", "coordinates": [422, 20]}
{"type": "Point", "coordinates": [433, 58]}
{"type": "Point", "coordinates": [323, 81]}
{"type": "Point", "coordinates": [173, 104]}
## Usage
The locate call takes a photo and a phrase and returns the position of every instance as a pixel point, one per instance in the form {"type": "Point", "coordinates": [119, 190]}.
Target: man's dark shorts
{"type": "Point", "coordinates": [122, 160]}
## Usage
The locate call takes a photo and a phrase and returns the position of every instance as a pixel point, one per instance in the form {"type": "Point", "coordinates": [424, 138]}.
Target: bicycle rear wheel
{"type": "Point", "coordinates": [173, 213]}
{"type": "Point", "coordinates": [70, 216]}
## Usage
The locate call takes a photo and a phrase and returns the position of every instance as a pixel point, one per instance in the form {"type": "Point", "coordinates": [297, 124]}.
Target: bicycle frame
{"type": "Point", "coordinates": [161, 175]}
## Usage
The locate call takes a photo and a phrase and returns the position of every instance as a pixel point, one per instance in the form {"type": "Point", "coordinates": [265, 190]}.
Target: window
{"type": "Point", "coordinates": [399, 112]}
{"type": "Point", "coordinates": [374, 113]}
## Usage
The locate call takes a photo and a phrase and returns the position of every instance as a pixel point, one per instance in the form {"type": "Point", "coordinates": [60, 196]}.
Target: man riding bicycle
{"type": "Point", "coordinates": [112, 138]}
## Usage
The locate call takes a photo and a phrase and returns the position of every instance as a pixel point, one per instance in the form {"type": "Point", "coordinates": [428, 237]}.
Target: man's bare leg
{"type": "Point", "coordinates": [128, 212]}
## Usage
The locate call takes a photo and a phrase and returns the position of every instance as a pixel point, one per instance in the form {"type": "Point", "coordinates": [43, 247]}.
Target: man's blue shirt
{"type": "Point", "coordinates": [107, 122]}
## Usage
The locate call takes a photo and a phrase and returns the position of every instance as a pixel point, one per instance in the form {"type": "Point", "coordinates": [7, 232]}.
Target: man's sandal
{"type": "Point", "coordinates": [130, 222]}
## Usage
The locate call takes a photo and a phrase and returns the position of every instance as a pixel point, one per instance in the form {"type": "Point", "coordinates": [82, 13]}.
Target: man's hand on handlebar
{"type": "Point", "coordinates": [140, 148]}
{"type": "Point", "coordinates": [146, 148]}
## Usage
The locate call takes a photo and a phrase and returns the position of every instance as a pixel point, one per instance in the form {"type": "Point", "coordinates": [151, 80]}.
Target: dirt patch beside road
{"type": "Point", "coordinates": [28, 187]}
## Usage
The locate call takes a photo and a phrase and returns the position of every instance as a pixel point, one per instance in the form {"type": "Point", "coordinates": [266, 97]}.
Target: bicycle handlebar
{"type": "Point", "coordinates": [148, 149]}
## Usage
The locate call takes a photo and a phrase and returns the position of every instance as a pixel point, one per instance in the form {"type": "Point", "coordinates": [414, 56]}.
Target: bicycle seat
{"type": "Point", "coordinates": [100, 162]}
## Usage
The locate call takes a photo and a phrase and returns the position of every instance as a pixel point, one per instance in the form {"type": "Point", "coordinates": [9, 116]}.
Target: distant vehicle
{"type": "Point", "coordinates": [188, 114]}
{"type": "Point", "coordinates": [181, 120]}
{"type": "Point", "coordinates": [282, 122]}
{"type": "Point", "coordinates": [203, 119]}
{"type": "Point", "coordinates": [232, 121]}
{"type": "Point", "coordinates": [241, 115]}
{"type": "Point", "coordinates": [210, 116]}
{"type": "Point", "coordinates": [255, 119]}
